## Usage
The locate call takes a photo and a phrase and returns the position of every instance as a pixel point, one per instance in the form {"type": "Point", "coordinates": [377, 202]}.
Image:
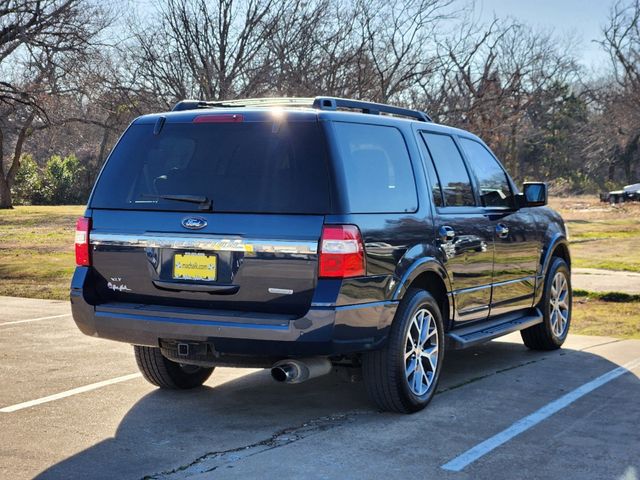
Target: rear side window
{"type": "Point", "coordinates": [260, 167]}
{"type": "Point", "coordinates": [495, 190]}
{"type": "Point", "coordinates": [377, 168]}
{"type": "Point", "coordinates": [453, 178]}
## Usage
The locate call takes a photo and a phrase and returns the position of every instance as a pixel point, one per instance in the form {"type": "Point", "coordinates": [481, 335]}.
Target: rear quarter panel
{"type": "Point", "coordinates": [395, 243]}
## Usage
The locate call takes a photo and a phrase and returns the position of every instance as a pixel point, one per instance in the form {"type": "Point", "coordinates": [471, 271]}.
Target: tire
{"type": "Point", "coordinates": [556, 310]}
{"type": "Point", "coordinates": [384, 371]}
{"type": "Point", "coordinates": [164, 373]}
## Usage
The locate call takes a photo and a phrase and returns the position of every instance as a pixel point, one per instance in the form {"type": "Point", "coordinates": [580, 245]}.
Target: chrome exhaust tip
{"type": "Point", "coordinates": [285, 373]}
{"type": "Point", "coordinates": [300, 370]}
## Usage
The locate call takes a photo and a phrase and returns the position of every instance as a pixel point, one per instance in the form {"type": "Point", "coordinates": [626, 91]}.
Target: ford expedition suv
{"type": "Point", "coordinates": [300, 234]}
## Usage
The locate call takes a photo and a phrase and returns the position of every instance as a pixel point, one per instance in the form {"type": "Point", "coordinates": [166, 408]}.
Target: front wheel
{"type": "Point", "coordinates": [403, 376]}
{"type": "Point", "coordinates": [164, 373]}
{"type": "Point", "coordinates": [556, 309]}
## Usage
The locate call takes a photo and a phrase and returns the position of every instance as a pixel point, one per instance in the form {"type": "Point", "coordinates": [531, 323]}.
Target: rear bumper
{"type": "Point", "coordinates": [322, 331]}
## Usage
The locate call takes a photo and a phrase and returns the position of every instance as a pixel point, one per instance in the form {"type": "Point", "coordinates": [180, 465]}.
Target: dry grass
{"type": "Point", "coordinates": [36, 251]}
{"type": "Point", "coordinates": [602, 235]}
{"type": "Point", "coordinates": [595, 317]}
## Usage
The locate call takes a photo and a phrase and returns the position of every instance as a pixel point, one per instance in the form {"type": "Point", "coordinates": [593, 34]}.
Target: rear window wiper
{"type": "Point", "coordinates": [203, 201]}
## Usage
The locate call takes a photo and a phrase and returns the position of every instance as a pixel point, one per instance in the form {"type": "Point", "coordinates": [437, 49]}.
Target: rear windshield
{"type": "Point", "coordinates": [261, 167]}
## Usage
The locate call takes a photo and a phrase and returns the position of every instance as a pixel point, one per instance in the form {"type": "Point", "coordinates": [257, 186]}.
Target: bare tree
{"type": "Point", "coordinates": [622, 42]}
{"type": "Point", "coordinates": [204, 49]}
{"type": "Point", "coordinates": [490, 78]}
{"type": "Point", "coordinates": [619, 137]}
{"type": "Point", "coordinates": [519, 88]}
{"type": "Point", "coordinates": [315, 50]}
{"type": "Point", "coordinates": [40, 43]}
{"type": "Point", "coordinates": [397, 36]}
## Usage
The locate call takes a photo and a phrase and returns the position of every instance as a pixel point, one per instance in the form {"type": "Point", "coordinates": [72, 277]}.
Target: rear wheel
{"type": "Point", "coordinates": [164, 373]}
{"type": "Point", "coordinates": [403, 376]}
{"type": "Point", "coordinates": [556, 309]}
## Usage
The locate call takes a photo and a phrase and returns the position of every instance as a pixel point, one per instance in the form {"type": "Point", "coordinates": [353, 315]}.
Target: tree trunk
{"type": "Point", "coordinates": [5, 194]}
{"type": "Point", "coordinates": [6, 180]}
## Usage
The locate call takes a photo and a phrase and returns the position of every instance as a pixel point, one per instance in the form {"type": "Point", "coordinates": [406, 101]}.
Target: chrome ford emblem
{"type": "Point", "coordinates": [194, 223]}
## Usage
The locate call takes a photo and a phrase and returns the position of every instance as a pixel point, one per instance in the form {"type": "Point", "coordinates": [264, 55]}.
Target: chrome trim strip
{"type": "Point", "coordinates": [502, 303]}
{"type": "Point", "coordinates": [470, 289]}
{"type": "Point", "coordinates": [355, 306]}
{"type": "Point", "coordinates": [530, 278]}
{"type": "Point", "coordinates": [204, 242]}
{"type": "Point", "coordinates": [382, 303]}
{"type": "Point", "coordinates": [471, 310]}
{"type": "Point", "coordinates": [498, 284]}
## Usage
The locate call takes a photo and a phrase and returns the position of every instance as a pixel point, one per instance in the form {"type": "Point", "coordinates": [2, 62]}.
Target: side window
{"type": "Point", "coordinates": [494, 186]}
{"type": "Point", "coordinates": [454, 181]}
{"type": "Point", "coordinates": [377, 168]}
{"type": "Point", "coordinates": [433, 176]}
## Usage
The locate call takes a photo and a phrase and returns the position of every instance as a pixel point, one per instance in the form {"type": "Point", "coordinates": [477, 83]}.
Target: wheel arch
{"type": "Point", "coordinates": [429, 274]}
{"type": "Point", "coordinates": [557, 247]}
{"type": "Point", "coordinates": [562, 250]}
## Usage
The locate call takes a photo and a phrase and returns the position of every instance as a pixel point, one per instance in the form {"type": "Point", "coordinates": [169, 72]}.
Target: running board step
{"type": "Point", "coordinates": [466, 337]}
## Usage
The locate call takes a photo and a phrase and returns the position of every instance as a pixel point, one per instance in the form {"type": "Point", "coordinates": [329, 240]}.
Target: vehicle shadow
{"type": "Point", "coordinates": [165, 430]}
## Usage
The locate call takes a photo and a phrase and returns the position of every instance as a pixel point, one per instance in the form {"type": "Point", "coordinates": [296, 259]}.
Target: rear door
{"type": "Point", "coordinates": [212, 214]}
{"type": "Point", "coordinates": [517, 238]}
{"type": "Point", "coordinates": [464, 233]}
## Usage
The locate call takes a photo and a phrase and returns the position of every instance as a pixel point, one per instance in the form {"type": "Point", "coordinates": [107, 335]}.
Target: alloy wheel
{"type": "Point", "coordinates": [421, 352]}
{"type": "Point", "coordinates": [559, 314]}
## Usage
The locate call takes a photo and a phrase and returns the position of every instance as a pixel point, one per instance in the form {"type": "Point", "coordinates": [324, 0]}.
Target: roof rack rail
{"type": "Point", "coordinates": [320, 103]}
{"type": "Point", "coordinates": [333, 103]}
{"type": "Point", "coordinates": [244, 102]}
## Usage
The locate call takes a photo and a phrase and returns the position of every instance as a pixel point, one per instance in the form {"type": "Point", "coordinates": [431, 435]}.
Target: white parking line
{"type": "Point", "coordinates": [68, 393]}
{"type": "Point", "coordinates": [35, 319]}
{"type": "Point", "coordinates": [473, 454]}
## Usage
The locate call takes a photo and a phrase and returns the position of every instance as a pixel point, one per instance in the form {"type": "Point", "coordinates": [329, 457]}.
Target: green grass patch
{"type": "Point", "coordinates": [614, 297]}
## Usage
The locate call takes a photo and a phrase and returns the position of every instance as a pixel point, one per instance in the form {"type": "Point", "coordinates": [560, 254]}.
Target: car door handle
{"type": "Point", "coordinates": [446, 233]}
{"type": "Point", "coordinates": [502, 231]}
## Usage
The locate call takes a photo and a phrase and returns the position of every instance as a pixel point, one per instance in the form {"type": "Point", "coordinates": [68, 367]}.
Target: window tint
{"type": "Point", "coordinates": [452, 174]}
{"type": "Point", "coordinates": [432, 176]}
{"type": "Point", "coordinates": [377, 168]}
{"type": "Point", "coordinates": [494, 186]}
{"type": "Point", "coordinates": [241, 167]}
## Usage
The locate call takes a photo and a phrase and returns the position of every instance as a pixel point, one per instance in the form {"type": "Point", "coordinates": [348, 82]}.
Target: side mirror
{"type": "Point", "coordinates": [534, 194]}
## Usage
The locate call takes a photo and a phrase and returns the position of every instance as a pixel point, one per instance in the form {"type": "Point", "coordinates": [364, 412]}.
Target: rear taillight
{"type": "Point", "coordinates": [83, 257]}
{"type": "Point", "coordinates": [341, 252]}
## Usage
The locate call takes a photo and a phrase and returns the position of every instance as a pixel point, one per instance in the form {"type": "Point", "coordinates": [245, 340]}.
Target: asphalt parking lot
{"type": "Point", "coordinates": [74, 407]}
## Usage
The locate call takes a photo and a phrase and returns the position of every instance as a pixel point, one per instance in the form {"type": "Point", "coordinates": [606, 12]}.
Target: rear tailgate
{"type": "Point", "coordinates": [261, 263]}
{"type": "Point", "coordinates": [213, 210]}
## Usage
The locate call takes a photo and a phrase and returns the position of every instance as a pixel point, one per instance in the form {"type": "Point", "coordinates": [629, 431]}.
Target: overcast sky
{"type": "Point", "coordinates": [582, 18]}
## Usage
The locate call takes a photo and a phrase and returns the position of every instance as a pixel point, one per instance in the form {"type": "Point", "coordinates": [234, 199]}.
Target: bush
{"type": "Point", "coordinates": [58, 183]}
{"type": "Point", "coordinates": [27, 182]}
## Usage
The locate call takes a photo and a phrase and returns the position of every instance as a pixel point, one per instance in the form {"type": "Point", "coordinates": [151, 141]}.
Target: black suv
{"type": "Point", "coordinates": [301, 234]}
